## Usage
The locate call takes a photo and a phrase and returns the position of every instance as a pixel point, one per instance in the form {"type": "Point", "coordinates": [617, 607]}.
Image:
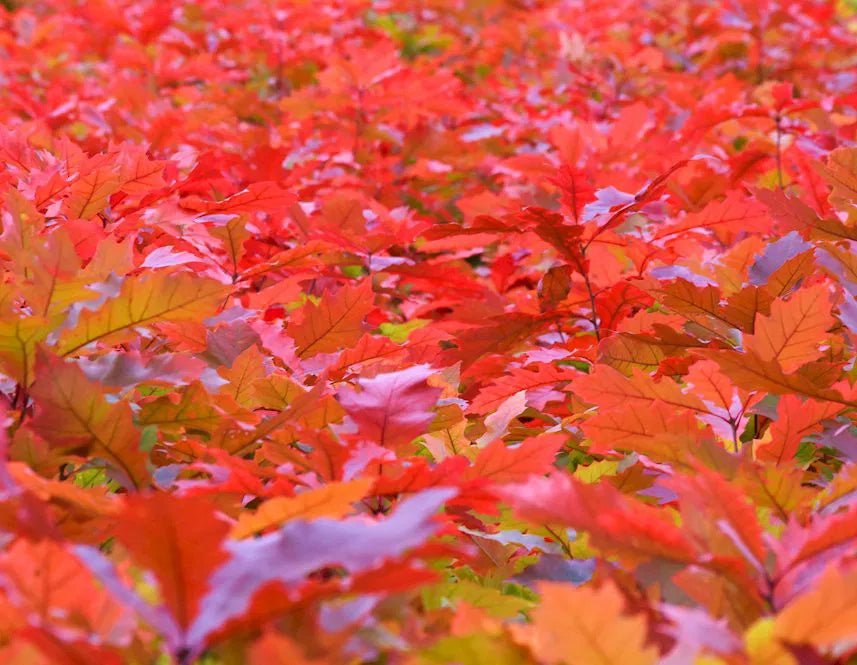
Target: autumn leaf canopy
{"type": "Point", "coordinates": [437, 332]}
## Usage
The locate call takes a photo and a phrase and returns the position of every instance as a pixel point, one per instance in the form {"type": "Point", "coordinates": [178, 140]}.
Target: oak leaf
{"type": "Point", "coordinates": [657, 431]}
{"type": "Point", "coordinates": [393, 408]}
{"type": "Point", "coordinates": [18, 340]}
{"type": "Point", "coordinates": [72, 414]}
{"type": "Point", "coordinates": [616, 524]}
{"type": "Point", "coordinates": [608, 388]}
{"type": "Point", "coordinates": [825, 616]}
{"type": "Point", "coordinates": [300, 547]}
{"type": "Point", "coordinates": [793, 333]}
{"type": "Point", "coordinates": [48, 585]}
{"type": "Point", "coordinates": [145, 300]}
{"type": "Point", "coordinates": [89, 194]}
{"type": "Point", "coordinates": [331, 500]}
{"type": "Point", "coordinates": [748, 371]}
{"type": "Point", "coordinates": [796, 419]}
{"type": "Point", "coordinates": [505, 464]}
{"type": "Point", "coordinates": [180, 540]}
{"type": "Point", "coordinates": [190, 408]}
{"type": "Point", "coordinates": [543, 375]}
{"type": "Point", "coordinates": [585, 626]}
{"type": "Point", "coordinates": [335, 323]}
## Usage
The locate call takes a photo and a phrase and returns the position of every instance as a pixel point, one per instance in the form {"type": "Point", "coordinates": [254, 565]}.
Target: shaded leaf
{"type": "Point", "coordinates": [302, 547]}
{"type": "Point", "coordinates": [72, 414]}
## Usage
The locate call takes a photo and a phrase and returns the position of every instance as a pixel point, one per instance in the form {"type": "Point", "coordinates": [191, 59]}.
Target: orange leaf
{"type": "Point", "coordinates": [89, 194]}
{"type": "Point", "coordinates": [335, 323]}
{"type": "Point", "coordinates": [826, 615]}
{"type": "Point", "coordinates": [266, 197]}
{"type": "Point", "coordinates": [720, 515]}
{"type": "Point", "coordinates": [503, 464]}
{"type": "Point", "coordinates": [274, 647]}
{"type": "Point", "coordinates": [608, 388]}
{"type": "Point", "coordinates": [180, 541]}
{"type": "Point", "coordinates": [699, 304]}
{"type": "Point", "coordinates": [500, 335]}
{"type": "Point", "coordinates": [625, 352]}
{"type": "Point", "coordinates": [140, 175]}
{"type": "Point", "coordinates": [658, 431]}
{"type": "Point", "coordinates": [617, 524]}
{"type": "Point", "coordinates": [839, 172]}
{"type": "Point", "coordinates": [191, 407]}
{"type": "Point", "coordinates": [712, 385]}
{"type": "Point", "coordinates": [233, 233]}
{"type": "Point", "coordinates": [750, 372]}
{"type": "Point", "coordinates": [50, 585]}
{"type": "Point", "coordinates": [554, 287]}
{"type": "Point", "coordinates": [245, 370]}
{"type": "Point", "coordinates": [792, 335]}
{"type": "Point", "coordinates": [796, 418]}
{"type": "Point", "coordinates": [332, 500]}
{"type": "Point", "coordinates": [585, 626]}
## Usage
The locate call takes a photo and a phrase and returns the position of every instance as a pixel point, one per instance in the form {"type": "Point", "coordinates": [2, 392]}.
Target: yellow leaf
{"type": "Point", "coordinates": [18, 339]}
{"type": "Point", "coordinates": [333, 500]}
{"type": "Point", "coordinates": [492, 601]}
{"type": "Point", "coordinates": [145, 300]}
{"type": "Point", "coordinates": [275, 391]}
{"type": "Point", "coordinates": [595, 471]}
{"type": "Point", "coordinates": [585, 626]}
{"type": "Point", "coordinates": [246, 369]}
{"type": "Point", "coordinates": [793, 333]}
{"type": "Point", "coordinates": [190, 408]}
{"type": "Point", "coordinates": [763, 647]}
{"type": "Point", "coordinates": [450, 441]}
{"type": "Point", "coordinates": [475, 649]}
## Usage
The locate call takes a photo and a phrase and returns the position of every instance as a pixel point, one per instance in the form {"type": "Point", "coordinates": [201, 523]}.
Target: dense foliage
{"type": "Point", "coordinates": [428, 331]}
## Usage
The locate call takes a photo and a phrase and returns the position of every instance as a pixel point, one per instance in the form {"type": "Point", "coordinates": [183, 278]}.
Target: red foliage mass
{"type": "Point", "coordinates": [447, 331]}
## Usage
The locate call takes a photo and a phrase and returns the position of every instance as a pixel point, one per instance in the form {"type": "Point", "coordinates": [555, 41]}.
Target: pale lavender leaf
{"type": "Point", "coordinates": [300, 548]}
